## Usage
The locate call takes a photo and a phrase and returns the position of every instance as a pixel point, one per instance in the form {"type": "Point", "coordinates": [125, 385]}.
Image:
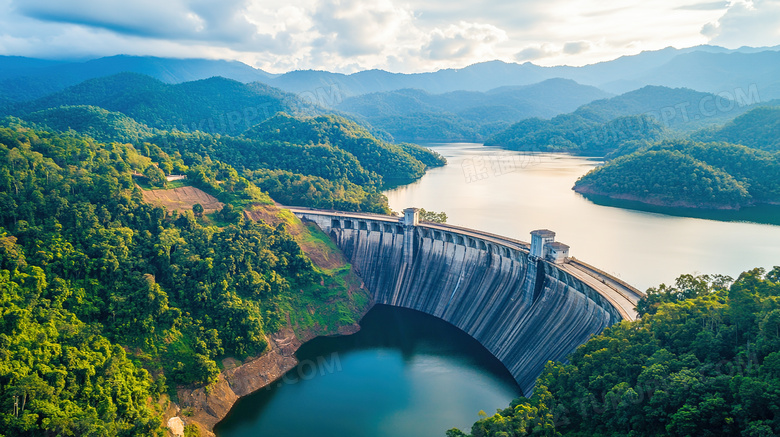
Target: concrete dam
{"type": "Point", "coordinates": [526, 303]}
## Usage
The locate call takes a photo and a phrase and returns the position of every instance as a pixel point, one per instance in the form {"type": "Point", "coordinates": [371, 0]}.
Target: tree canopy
{"type": "Point", "coordinates": [107, 302]}
{"type": "Point", "coordinates": [703, 360]}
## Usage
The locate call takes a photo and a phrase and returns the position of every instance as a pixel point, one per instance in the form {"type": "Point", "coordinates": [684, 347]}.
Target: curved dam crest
{"type": "Point", "coordinates": [524, 309]}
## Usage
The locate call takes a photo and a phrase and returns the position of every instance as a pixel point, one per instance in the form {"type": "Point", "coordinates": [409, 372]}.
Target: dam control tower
{"type": "Point", "coordinates": [544, 246]}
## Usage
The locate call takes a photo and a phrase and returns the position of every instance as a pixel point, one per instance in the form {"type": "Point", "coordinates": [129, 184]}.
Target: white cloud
{"type": "Point", "coordinates": [353, 28]}
{"type": "Point", "coordinates": [399, 35]}
{"type": "Point", "coordinates": [576, 47]}
{"type": "Point", "coordinates": [463, 41]}
{"type": "Point", "coordinates": [535, 52]}
{"type": "Point", "coordinates": [746, 23]}
{"type": "Point", "coordinates": [170, 19]}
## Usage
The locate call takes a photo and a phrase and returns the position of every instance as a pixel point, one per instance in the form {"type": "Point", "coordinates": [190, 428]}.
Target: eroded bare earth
{"type": "Point", "coordinates": [182, 199]}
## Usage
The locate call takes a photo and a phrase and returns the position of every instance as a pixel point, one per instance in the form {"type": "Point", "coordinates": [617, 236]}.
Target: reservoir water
{"type": "Point", "coordinates": [408, 374]}
{"type": "Point", "coordinates": [512, 193]}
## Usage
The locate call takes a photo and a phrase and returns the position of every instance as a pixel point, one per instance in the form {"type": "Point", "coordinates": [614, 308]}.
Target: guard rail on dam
{"type": "Point", "coordinates": [527, 304]}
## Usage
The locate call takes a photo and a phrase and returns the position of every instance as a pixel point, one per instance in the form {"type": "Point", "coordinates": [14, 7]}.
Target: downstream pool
{"type": "Point", "coordinates": [404, 374]}
{"type": "Point", "coordinates": [408, 374]}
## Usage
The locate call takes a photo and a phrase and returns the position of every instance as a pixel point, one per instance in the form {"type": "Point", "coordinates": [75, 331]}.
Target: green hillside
{"type": "Point", "coordinates": [577, 134]}
{"type": "Point", "coordinates": [215, 105]}
{"type": "Point", "coordinates": [323, 162]}
{"type": "Point", "coordinates": [648, 114]}
{"type": "Point", "coordinates": [680, 109]}
{"type": "Point", "coordinates": [758, 128]}
{"type": "Point", "coordinates": [92, 121]}
{"type": "Point", "coordinates": [389, 161]}
{"type": "Point", "coordinates": [703, 360]}
{"type": "Point", "coordinates": [108, 302]}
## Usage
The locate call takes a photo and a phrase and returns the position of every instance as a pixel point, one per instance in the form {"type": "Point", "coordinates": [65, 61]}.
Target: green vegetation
{"type": "Point", "coordinates": [323, 162]}
{"type": "Point", "coordinates": [388, 161]}
{"type": "Point", "coordinates": [577, 134]}
{"type": "Point", "coordinates": [107, 302]}
{"type": "Point", "coordinates": [94, 122]}
{"type": "Point", "coordinates": [648, 114]}
{"type": "Point", "coordinates": [688, 174]}
{"type": "Point", "coordinates": [759, 129]}
{"type": "Point", "coordinates": [215, 105]}
{"type": "Point", "coordinates": [703, 360]}
{"type": "Point", "coordinates": [308, 162]}
{"type": "Point", "coordinates": [433, 216]}
{"type": "Point", "coordinates": [680, 109]}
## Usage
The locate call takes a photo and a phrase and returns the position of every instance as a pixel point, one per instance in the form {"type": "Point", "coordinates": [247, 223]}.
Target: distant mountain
{"type": "Point", "coordinates": [669, 67]}
{"type": "Point", "coordinates": [416, 115]}
{"type": "Point", "coordinates": [26, 79]}
{"type": "Point", "coordinates": [478, 77]}
{"type": "Point", "coordinates": [215, 105]}
{"type": "Point", "coordinates": [648, 114]}
{"type": "Point", "coordinates": [703, 68]}
{"type": "Point", "coordinates": [14, 66]}
{"type": "Point", "coordinates": [728, 73]}
{"type": "Point", "coordinates": [758, 128]}
{"type": "Point", "coordinates": [681, 109]}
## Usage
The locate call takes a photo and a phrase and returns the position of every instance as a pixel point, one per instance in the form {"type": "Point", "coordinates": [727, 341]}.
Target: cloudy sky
{"type": "Point", "coordinates": [402, 36]}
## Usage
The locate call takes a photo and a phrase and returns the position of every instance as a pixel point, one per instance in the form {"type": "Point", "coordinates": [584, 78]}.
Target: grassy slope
{"type": "Point", "coordinates": [346, 300]}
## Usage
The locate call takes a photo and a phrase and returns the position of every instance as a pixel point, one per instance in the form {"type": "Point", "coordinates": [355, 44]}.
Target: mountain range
{"type": "Point", "coordinates": [702, 68]}
{"type": "Point", "coordinates": [27, 79]}
{"type": "Point", "coordinates": [216, 105]}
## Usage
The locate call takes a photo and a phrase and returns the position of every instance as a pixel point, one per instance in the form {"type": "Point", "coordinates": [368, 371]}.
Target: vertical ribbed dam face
{"type": "Point", "coordinates": [525, 311]}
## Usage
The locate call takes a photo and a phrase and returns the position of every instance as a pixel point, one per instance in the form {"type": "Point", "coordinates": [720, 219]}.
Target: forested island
{"type": "Point", "coordinates": [689, 175]}
{"type": "Point", "coordinates": [694, 174]}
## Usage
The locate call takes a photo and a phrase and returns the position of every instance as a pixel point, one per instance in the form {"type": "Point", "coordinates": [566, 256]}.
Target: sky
{"type": "Point", "coordinates": [399, 36]}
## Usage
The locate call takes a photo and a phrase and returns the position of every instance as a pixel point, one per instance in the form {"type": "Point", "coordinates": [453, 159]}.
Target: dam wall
{"type": "Point", "coordinates": [523, 309]}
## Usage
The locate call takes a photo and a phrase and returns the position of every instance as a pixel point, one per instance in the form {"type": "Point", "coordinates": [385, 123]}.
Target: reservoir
{"type": "Point", "coordinates": [408, 374]}
{"type": "Point", "coordinates": [512, 193]}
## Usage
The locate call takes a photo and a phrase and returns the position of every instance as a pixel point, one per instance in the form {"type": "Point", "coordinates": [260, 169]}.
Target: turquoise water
{"type": "Point", "coordinates": [404, 374]}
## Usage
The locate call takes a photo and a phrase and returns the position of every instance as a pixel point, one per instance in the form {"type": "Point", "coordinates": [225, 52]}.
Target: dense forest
{"type": "Point", "coordinates": [688, 174]}
{"type": "Point", "coordinates": [758, 128]}
{"type": "Point", "coordinates": [322, 162]}
{"type": "Point", "coordinates": [703, 360]}
{"type": "Point", "coordinates": [577, 134]}
{"type": "Point", "coordinates": [108, 302]}
{"type": "Point", "coordinates": [216, 105]}
{"type": "Point", "coordinates": [92, 121]}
